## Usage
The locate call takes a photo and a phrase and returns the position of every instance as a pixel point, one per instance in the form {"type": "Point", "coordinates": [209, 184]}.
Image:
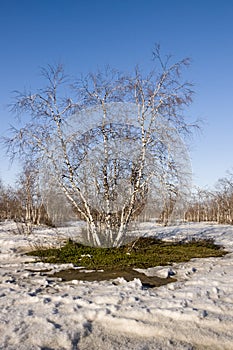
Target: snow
{"type": "Point", "coordinates": [38, 311]}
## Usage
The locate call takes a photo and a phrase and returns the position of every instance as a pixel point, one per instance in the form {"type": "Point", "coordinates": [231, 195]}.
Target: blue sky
{"type": "Point", "coordinates": [87, 34]}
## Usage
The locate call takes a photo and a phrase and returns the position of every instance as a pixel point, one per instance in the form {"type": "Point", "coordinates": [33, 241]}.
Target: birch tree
{"type": "Point", "coordinates": [112, 144]}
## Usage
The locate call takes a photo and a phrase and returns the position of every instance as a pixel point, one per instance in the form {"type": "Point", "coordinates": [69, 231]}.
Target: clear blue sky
{"type": "Point", "coordinates": [86, 34]}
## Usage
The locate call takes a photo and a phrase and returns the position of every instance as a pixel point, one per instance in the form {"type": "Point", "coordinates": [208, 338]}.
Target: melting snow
{"type": "Point", "coordinates": [41, 312]}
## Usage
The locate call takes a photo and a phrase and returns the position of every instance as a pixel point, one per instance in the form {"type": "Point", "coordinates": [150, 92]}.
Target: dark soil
{"type": "Point", "coordinates": [127, 274]}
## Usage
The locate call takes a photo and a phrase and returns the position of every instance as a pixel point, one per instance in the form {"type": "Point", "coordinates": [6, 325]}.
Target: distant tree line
{"type": "Point", "coordinates": [27, 203]}
{"type": "Point", "coordinates": [213, 205]}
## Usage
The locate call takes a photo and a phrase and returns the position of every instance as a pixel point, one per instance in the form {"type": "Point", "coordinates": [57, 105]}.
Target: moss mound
{"type": "Point", "coordinates": [142, 253]}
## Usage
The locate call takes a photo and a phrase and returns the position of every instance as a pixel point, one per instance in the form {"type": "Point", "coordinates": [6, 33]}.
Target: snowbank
{"type": "Point", "coordinates": [41, 312]}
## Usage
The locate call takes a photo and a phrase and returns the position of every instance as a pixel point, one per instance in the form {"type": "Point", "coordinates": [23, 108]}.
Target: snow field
{"type": "Point", "coordinates": [38, 312]}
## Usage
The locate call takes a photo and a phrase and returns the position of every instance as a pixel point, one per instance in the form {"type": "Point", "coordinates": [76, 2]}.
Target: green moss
{"type": "Point", "coordinates": [142, 253]}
